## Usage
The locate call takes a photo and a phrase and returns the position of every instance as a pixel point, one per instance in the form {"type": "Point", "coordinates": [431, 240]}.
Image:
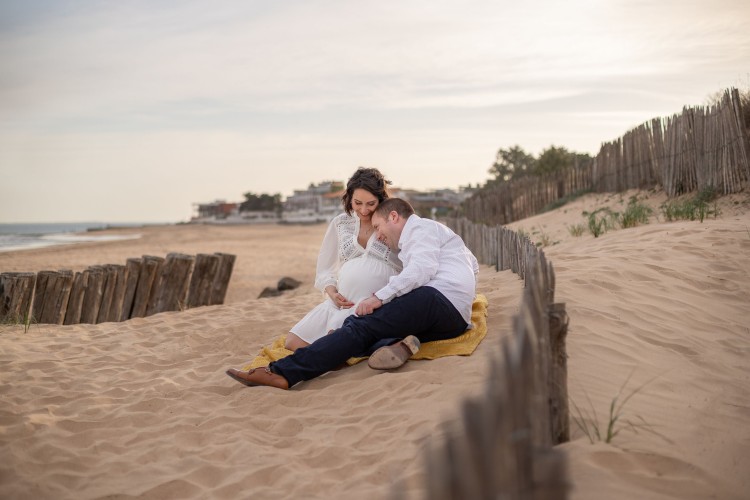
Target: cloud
{"type": "Point", "coordinates": [274, 95]}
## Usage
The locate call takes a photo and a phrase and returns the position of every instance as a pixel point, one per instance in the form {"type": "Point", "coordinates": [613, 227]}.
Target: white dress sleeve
{"type": "Point", "coordinates": [328, 258]}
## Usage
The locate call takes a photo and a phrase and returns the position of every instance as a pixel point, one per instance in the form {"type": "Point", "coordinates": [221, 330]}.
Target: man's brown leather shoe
{"type": "Point", "coordinates": [259, 376]}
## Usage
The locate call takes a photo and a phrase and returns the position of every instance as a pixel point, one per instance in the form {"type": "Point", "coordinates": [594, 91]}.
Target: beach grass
{"type": "Point", "coordinates": [700, 206]}
{"type": "Point", "coordinates": [600, 220]}
{"type": "Point", "coordinates": [635, 214]}
{"type": "Point", "coordinates": [545, 239]}
{"type": "Point", "coordinates": [587, 420]}
{"type": "Point", "coordinates": [576, 230]}
{"type": "Point", "coordinates": [26, 320]}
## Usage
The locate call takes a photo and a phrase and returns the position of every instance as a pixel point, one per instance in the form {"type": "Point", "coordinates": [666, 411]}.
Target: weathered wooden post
{"type": "Point", "coordinates": [558, 374]}
{"type": "Point", "coordinates": [174, 281]}
{"type": "Point", "coordinates": [92, 297]}
{"type": "Point", "coordinates": [133, 271]}
{"type": "Point", "coordinates": [118, 297]}
{"type": "Point", "coordinates": [75, 302]}
{"type": "Point", "coordinates": [51, 296]}
{"type": "Point", "coordinates": [16, 290]}
{"type": "Point", "coordinates": [199, 292]}
{"type": "Point", "coordinates": [519, 365]}
{"type": "Point", "coordinates": [550, 475]}
{"type": "Point", "coordinates": [41, 288]}
{"type": "Point", "coordinates": [108, 292]}
{"type": "Point", "coordinates": [156, 288]}
{"type": "Point", "coordinates": [149, 271]}
{"type": "Point", "coordinates": [220, 283]}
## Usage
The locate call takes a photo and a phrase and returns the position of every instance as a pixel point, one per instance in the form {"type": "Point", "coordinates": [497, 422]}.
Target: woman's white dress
{"type": "Point", "coordinates": [356, 272]}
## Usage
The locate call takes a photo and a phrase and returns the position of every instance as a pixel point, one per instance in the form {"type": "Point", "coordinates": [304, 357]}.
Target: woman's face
{"type": "Point", "coordinates": [364, 203]}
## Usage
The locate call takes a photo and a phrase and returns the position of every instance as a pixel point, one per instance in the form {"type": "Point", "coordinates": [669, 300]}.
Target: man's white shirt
{"type": "Point", "coordinates": [435, 256]}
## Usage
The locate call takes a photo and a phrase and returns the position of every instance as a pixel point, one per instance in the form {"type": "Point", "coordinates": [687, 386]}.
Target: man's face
{"type": "Point", "coordinates": [387, 228]}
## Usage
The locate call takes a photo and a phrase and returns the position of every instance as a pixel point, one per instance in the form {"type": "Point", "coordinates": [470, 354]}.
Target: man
{"type": "Point", "coordinates": [429, 300]}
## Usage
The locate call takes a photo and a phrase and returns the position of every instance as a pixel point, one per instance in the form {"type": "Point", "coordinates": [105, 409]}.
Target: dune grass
{"type": "Point", "coordinates": [700, 206]}
{"type": "Point", "coordinates": [576, 230]}
{"type": "Point", "coordinates": [600, 220]}
{"type": "Point", "coordinates": [545, 239]}
{"type": "Point", "coordinates": [587, 420]}
{"type": "Point", "coordinates": [635, 214]}
{"type": "Point", "coordinates": [605, 219]}
{"type": "Point", "coordinates": [27, 320]}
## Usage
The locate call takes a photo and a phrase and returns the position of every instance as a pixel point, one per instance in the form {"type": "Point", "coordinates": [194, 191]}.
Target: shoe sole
{"type": "Point", "coordinates": [394, 356]}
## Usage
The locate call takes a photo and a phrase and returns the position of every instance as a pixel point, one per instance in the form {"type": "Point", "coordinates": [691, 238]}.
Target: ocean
{"type": "Point", "coordinates": [25, 236]}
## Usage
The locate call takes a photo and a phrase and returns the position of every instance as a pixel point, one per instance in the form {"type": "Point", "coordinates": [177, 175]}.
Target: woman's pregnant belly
{"type": "Point", "coordinates": [361, 277]}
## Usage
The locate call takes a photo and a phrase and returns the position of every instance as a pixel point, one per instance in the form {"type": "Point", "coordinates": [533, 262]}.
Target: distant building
{"type": "Point", "coordinates": [221, 212]}
{"type": "Point", "coordinates": [436, 203]}
{"type": "Point", "coordinates": [317, 203]}
{"type": "Point", "coordinates": [216, 210]}
{"type": "Point", "coordinates": [322, 202]}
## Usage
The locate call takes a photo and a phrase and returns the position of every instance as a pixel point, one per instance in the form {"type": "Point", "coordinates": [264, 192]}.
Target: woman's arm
{"type": "Point", "coordinates": [328, 259]}
{"type": "Point", "coordinates": [329, 263]}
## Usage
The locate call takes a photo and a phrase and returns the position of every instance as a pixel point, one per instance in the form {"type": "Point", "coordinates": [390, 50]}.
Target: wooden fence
{"type": "Point", "coordinates": [504, 445]}
{"type": "Point", "coordinates": [142, 287]}
{"type": "Point", "coordinates": [700, 148]}
{"type": "Point", "coordinates": [704, 146]}
{"type": "Point", "coordinates": [510, 201]}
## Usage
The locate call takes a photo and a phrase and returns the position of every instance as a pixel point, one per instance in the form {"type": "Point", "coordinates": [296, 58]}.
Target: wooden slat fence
{"type": "Point", "coordinates": [509, 201]}
{"type": "Point", "coordinates": [703, 147]}
{"type": "Point", "coordinates": [503, 446]}
{"type": "Point", "coordinates": [142, 287]}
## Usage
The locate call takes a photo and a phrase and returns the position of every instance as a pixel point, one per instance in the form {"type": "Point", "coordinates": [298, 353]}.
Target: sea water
{"type": "Point", "coordinates": [25, 236]}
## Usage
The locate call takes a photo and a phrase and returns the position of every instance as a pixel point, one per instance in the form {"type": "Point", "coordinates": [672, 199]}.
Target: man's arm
{"type": "Point", "coordinates": [420, 253]}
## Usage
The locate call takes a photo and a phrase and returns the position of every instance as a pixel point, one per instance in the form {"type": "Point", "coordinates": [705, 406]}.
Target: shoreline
{"type": "Point", "coordinates": [260, 262]}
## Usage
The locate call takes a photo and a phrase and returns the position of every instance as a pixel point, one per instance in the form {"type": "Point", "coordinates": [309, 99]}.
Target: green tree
{"type": "Point", "coordinates": [262, 202]}
{"type": "Point", "coordinates": [581, 159]}
{"type": "Point", "coordinates": [553, 159]}
{"type": "Point", "coordinates": [511, 164]}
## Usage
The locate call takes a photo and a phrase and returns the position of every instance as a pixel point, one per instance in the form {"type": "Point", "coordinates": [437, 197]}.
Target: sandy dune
{"type": "Point", "coordinates": [143, 408]}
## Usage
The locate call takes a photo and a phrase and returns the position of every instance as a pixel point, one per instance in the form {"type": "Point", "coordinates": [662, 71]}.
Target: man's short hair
{"type": "Point", "coordinates": [401, 207]}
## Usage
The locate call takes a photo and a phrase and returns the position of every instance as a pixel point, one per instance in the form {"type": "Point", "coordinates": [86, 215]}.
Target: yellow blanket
{"type": "Point", "coordinates": [463, 345]}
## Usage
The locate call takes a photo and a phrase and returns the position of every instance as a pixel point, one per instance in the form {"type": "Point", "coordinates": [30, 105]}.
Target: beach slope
{"type": "Point", "coordinates": [143, 409]}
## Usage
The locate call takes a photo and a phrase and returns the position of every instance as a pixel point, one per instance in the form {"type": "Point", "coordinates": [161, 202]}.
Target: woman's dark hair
{"type": "Point", "coordinates": [369, 179]}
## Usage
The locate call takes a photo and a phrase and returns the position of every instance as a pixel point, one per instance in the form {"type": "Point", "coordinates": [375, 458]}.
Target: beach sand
{"type": "Point", "coordinates": [143, 409]}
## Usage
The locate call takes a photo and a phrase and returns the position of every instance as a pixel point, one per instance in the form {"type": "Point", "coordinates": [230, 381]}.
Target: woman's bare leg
{"type": "Point", "coordinates": [293, 342]}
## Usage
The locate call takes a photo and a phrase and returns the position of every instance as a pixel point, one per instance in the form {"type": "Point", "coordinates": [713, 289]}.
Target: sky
{"type": "Point", "coordinates": [133, 111]}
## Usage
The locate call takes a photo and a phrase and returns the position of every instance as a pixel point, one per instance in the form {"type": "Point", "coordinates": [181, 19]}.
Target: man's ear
{"type": "Point", "coordinates": [394, 216]}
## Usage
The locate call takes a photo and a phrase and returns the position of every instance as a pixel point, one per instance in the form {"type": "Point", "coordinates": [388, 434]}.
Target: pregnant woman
{"type": "Point", "coordinates": [352, 263]}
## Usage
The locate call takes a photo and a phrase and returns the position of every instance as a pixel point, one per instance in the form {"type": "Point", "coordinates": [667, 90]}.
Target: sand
{"type": "Point", "coordinates": [143, 408]}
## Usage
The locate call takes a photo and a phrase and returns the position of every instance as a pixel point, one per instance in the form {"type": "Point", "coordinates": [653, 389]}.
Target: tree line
{"type": "Point", "coordinates": [514, 163]}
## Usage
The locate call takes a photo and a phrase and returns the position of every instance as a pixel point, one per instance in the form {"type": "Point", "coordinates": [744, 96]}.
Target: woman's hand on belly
{"type": "Point", "coordinates": [339, 300]}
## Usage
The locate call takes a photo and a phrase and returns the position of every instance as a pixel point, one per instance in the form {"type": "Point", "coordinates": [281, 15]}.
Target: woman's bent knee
{"type": "Point", "coordinates": [293, 342]}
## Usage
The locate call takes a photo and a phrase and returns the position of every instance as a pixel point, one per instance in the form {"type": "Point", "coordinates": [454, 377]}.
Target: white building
{"type": "Point", "coordinates": [317, 203]}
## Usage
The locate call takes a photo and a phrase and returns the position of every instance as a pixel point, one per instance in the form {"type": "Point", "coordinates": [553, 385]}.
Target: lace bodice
{"type": "Point", "coordinates": [340, 245]}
